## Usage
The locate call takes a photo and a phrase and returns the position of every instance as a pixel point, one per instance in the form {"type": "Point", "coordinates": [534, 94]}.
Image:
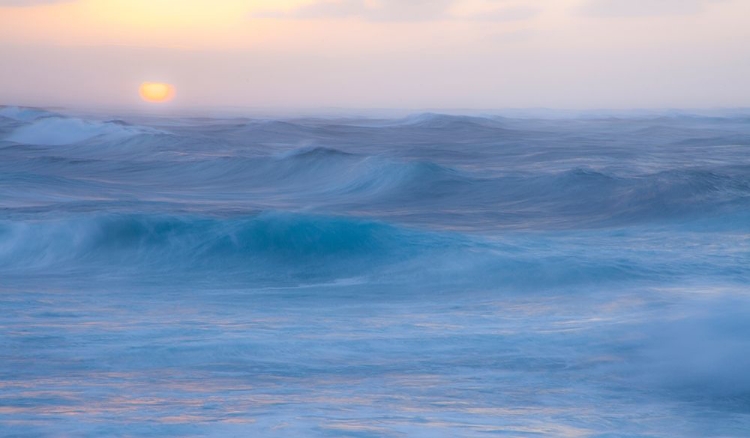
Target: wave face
{"type": "Point", "coordinates": [430, 275]}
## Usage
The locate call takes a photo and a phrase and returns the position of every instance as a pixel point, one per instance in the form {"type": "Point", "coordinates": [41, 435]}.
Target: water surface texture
{"type": "Point", "coordinates": [427, 276]}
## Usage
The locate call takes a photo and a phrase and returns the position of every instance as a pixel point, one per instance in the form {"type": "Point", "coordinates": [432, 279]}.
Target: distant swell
{"type": "Point", "coordinates": [58, 131]}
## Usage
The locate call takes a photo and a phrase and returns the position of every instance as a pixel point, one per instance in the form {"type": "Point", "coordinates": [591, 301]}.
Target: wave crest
{"type": "Point", "coordinates": [58, 131]}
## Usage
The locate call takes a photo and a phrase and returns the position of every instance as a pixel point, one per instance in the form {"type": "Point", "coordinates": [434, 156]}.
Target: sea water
{"type": "Point", "coordinates": [425, 276]}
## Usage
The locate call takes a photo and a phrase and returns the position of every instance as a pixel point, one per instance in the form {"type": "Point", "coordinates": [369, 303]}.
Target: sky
{"type": "Point", "coordinates": [409, 54]}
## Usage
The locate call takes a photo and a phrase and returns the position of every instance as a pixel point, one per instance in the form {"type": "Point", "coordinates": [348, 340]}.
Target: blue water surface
{"type": "Point", "coordinates": [428, 276]}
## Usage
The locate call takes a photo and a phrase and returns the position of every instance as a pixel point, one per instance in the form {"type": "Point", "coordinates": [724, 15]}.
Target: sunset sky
{"type": "Point", "coordinates": [378, 53]}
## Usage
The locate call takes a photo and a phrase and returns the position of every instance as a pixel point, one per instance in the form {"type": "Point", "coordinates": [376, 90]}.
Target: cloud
{"type": "Point", "coordinates": [27, 3]}
{"type": "Point", "coordinates": [642, 8]}
{"type": "Point", "coordinates": [400, 10]}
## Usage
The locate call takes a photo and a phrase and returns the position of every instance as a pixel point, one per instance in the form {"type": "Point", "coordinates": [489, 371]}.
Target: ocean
{"type": "Point", "coordinates": [431, 275]}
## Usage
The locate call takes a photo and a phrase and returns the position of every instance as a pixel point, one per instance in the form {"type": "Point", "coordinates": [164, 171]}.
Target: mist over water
{"type": "Point", "coordinates": [432, 275]}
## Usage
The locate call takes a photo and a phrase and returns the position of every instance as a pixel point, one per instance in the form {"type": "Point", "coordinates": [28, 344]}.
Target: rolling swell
{"type": "Point", "coordinates": [279, 247]}
{"type": "Point", "coordinates": [183, 243]}
{"type": "Point", "coordinates": [410, 191]}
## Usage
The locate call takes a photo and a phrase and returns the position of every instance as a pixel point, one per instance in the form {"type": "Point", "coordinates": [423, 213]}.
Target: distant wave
{"type": "Point", "coordinates": [57, 131]}
{"type": "Point", "coordinates": [448, 122]}
{"type": "Point", "coordinates": [23, 114]}
{"type": "Point", "coordinates": [312, 152]}
{"type": "Point", "coordinates": [345, 167]}
{"type": "Point", "coordinates": [425, 192]}
{"type": "Point", "coordinates": [573, 197]}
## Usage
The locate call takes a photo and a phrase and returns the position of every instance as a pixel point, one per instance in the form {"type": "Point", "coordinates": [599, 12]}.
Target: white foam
{"type": "Point", "coordinates": [55, 131]}
{"type": "Point", "coordinates": [22, 114]}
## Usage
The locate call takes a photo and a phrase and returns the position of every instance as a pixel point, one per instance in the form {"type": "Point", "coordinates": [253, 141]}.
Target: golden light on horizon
{"type": "Point", "coordinates": [156, 92]}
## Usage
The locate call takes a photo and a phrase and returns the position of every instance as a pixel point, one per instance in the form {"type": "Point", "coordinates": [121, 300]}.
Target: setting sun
{"type": "Point", "coordinates": [156, 92]}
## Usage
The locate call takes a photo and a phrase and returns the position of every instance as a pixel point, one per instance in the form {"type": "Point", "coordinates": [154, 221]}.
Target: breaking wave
{"type": "Point", "coordinates": [57, 131]}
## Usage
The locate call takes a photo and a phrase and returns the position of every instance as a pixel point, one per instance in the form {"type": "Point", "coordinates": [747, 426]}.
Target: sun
{"type": "Point", "coordinates": [156, 92]}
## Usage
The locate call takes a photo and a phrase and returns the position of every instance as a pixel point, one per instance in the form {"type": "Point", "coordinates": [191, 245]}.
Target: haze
{"type": "Point", "coordinates": [437, 54]}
